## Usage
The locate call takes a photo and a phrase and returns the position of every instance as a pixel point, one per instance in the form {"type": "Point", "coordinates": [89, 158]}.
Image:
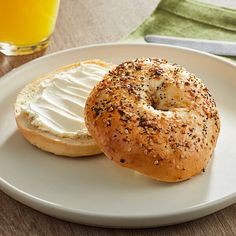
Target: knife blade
{"type": "Point", "coordinates": [224, 48]}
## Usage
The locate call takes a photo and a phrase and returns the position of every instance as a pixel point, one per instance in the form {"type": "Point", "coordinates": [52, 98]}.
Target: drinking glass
{"type": "Point", "coordinates": [26, 25]}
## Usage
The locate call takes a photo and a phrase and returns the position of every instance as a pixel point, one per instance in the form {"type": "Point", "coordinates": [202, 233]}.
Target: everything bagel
{"type": "Point", "coordinates": [154, 117]}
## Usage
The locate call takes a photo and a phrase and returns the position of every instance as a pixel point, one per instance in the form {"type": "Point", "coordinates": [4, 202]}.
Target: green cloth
{"type": "Point", "coordinates": [191, 19]}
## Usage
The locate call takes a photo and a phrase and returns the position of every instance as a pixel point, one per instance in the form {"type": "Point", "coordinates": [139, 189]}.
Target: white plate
{"type": "Point", "coordinates": [94, 190]}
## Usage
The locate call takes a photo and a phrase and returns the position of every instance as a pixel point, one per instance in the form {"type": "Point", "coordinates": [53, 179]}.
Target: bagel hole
{"type": "Point", "coordinates": [122, 160]}
{"type": "Point", "coordinates": [155, 105]}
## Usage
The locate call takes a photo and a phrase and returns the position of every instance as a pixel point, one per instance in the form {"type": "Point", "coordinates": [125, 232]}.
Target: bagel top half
{"type": "Point", "coordinates": [154, 117]}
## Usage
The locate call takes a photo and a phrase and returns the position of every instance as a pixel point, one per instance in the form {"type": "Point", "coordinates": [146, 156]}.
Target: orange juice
{"type": "Point", "coordinates": [27, 22]}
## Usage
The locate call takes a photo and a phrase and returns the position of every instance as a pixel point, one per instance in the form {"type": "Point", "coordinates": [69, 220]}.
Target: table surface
{"type": "Point", "coordinates": [90, 22]}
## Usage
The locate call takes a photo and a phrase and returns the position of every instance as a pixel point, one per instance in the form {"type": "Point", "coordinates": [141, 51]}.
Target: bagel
{"type": "Point", "coordinates": [154, 117]}
{"type": "Point", "coordinates": [49, 110]}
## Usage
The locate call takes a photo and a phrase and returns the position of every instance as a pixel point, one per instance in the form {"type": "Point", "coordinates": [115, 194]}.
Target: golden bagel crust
{"type": "Point", "coordinates": [83, 145]}
{"type": "Point", "coordinates": [154, 117]}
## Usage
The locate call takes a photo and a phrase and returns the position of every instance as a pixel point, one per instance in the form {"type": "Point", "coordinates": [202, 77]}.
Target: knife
{"type": "Point", "coordinates": [225, 48]}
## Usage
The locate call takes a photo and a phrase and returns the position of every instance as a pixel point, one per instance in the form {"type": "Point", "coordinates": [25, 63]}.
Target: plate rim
{"type": "Point", "coordinates": [30, 200]}
{"type": "Point", "coordinates": [115, 220]}
{"type": "Point", "coordinates": [72, 210]}
{"type": "Point", "coordinates": [14, 70]}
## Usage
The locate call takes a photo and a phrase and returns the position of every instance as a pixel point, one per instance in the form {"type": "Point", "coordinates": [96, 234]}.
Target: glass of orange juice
{"type": "Point", "coordinates": [26, 25]}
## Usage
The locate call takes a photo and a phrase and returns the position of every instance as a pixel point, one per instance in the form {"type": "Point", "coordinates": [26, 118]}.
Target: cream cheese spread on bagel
{"type": "Point", "coordinates": [58, 106]}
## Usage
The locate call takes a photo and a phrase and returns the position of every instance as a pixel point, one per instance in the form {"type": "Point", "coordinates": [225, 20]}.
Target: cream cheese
{"type": "Point", "coordinates": [59, 106]}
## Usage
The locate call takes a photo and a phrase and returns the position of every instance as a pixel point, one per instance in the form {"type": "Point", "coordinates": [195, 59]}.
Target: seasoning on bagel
{"type": "Point", "coordinates": [154, 117]}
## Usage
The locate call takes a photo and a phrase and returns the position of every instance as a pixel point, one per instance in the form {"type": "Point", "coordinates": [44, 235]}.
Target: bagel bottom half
{"type": "Point", "coordinates": [39, 134]}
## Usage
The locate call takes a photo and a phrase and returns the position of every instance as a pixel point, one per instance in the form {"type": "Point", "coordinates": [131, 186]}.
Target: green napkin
{"type": "Point", "coordinates": [191, 19]}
